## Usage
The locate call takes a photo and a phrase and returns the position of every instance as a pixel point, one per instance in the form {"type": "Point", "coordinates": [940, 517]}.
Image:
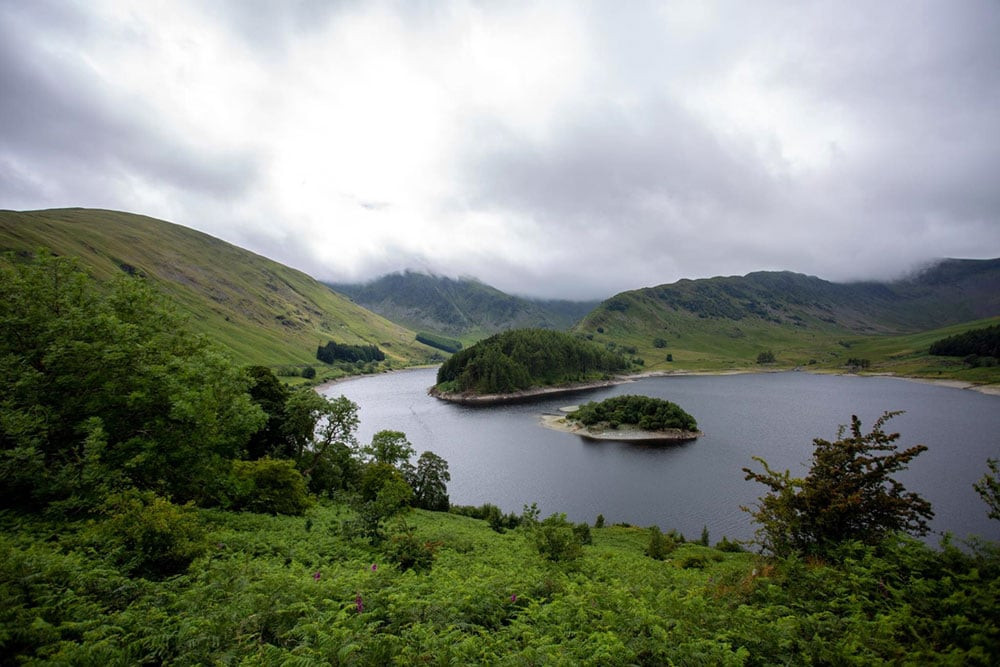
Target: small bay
{"type": "Point", "coordinates": [503, 456]}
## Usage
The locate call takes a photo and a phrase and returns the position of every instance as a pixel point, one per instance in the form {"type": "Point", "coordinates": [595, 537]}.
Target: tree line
{"type": "Point", "coordinates": [334, 351]}
{"type": "Point", "coordinates": [983, 342]}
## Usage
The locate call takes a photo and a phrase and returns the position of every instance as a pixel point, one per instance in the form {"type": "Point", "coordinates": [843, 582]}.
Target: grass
{"type": "Point", "coordinates": [261, 311]}
{"type": "Point", "coordinates": [298, 590]}
{"type": "Point", "coordinates": [713, 344]}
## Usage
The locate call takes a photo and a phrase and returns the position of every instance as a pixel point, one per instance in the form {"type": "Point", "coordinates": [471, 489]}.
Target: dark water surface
{"type": "Point", "coordinates": [503, 456]}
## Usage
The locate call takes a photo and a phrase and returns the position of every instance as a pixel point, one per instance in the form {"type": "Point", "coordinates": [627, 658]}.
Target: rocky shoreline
{"type": "Point", "coordinates": [536, 392]}
{"type": "Point", "coordinates": [524, 395]}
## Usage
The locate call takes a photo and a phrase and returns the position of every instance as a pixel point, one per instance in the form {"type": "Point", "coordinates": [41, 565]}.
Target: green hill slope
{"type": "Point", "coordinates": [262, 311]}
{"type": "Point", "coordinates": [288, 590]}
{"type": "Point", "coordinates": [467, 309]}
{"type": "Point", "coordinates": [726, 322]}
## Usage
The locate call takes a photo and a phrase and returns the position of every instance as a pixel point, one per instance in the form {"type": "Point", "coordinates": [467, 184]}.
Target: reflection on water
{"type": "Point", "coordinates": [503, 456]}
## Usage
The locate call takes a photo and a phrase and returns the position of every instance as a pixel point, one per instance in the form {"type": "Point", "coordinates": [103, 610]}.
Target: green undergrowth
{"type": "Point", "coordinates": [300, 591]}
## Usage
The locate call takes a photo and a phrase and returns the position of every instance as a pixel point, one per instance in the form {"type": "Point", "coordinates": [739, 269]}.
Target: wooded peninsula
{"type": "Point", "coordinates": [525, 362]}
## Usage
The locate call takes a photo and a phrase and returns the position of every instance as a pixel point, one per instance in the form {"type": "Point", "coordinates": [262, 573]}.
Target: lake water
{"type": "Point", "coordinates": [503, 456]}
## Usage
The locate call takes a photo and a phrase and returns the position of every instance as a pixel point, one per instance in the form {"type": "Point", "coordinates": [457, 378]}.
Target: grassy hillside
{"type": "Point", "coordinates": [725, 323]}
{"type": "Point", "coordinates": [466, 309]}
{"type": "Point", "coordinates": [297, 590]}
{"type": "Point", "coordinates": [262, 311]}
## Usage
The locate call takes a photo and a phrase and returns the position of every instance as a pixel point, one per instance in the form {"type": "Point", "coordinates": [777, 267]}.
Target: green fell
{"type": "Point", "coordinates": [261, 311]}
{"type": "Point", "coordinates": [463, 308]}
{"type": "Point", "coordinates": [803, 321]}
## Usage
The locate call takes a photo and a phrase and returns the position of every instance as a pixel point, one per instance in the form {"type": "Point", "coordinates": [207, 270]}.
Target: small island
{"type": "Point", "coordinates": [629, 417]}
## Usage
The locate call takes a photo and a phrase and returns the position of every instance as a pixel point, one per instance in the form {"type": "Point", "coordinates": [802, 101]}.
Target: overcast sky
{"type": "Point", "coordinates": [558, 149]}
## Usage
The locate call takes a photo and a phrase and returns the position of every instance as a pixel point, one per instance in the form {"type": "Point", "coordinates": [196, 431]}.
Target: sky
{"type": "Point", "coordinates": [551, 149]}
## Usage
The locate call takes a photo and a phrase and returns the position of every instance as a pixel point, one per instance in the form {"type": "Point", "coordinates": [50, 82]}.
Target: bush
{"type": "Point", "coordinates": [728, 546]}
{"type": "Point", "coordinates": [766, 357]}
{"type": "Point", "coordinates": [660, 545]}
{"type": "Point", "coordinates": [556, 539]}
{"type": "Point", "coordinates": [848, 494]}
{"type": "Point", "coordinates": [411, 553]}
{"type": "Point", "coordinates": [149, 536]}
{"type": "Point", "coordinates": [270, 486]}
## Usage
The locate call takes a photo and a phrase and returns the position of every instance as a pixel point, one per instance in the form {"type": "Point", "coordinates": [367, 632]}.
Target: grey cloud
{"type": "Point", "coordinates": [605, 161]}
{"type": "Point", "coordinates": [58, 120]}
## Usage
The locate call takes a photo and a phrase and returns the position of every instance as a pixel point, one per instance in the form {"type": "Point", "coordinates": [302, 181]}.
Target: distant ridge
{"type": "Point", "coordinates": [263, 311]}
{"type": "Point", "coordinates": [727, 321]}
{"type": "Point", "coordinates": [465, 307]}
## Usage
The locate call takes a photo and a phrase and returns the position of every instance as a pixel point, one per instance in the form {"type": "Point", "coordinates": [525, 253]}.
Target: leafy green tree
{"type": "Point", "coordinates": [322, 439]}
{"type": "Point", "coordinates": [988, 488]}
{"type": "Point", "coordinates": [429, 481]}
{"type": "Point", "coordinates": [389, 447]}
{"type": "Point", "coordinates": [848, 494]}
{"type": "Point", "coordinates": [384, 493]}
{"type": "Point", "coordinates": [107, 383]}
{"type": "Point", "coordinates": [270, 394]}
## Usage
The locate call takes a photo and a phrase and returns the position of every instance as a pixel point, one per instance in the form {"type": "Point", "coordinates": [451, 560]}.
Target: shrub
{"type": "Point", "coordinates": [698, 559]}
{"type": "Point", "coordinates": [848, 494]}
{"type": "Point", "coordinates": [410, 552]}
{"type": "Point", "coordinates": [270, 486]}
{"type": "Point", "coordinates": [729, 546]}
{"type": "Point", "coordinates": [766, 357]}
{"type": "Point", "coordinates": [556, 539]}
{"type": "Point", "coordinates": [149, 536]}
{"type": "Point", "coordinates": [660, 545]}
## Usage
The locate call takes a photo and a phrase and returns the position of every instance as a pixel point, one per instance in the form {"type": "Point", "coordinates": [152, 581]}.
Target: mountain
{"type": "Point", "coordinates": [263, 311]}
{"type": "Point", "coordinates": [717, 322]}
{"type": "Point", "coordinates": [464, 308]}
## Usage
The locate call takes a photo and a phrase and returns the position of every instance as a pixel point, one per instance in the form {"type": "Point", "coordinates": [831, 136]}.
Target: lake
{"type": "Point", "coordinates": [502, 455]}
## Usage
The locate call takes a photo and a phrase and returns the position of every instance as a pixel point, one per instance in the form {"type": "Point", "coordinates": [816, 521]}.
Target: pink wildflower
{"type": "Point", "coordinates": [513, 598]}
{"type": "Point", "coordinates": [374, 567]}
{"type": "Point", "coordinates": [316, 576]}
{"type": "Point", "coordinates": [359, 603]}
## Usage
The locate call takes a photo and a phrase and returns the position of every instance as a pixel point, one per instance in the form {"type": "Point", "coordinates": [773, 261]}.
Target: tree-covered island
{"type": "Point", "coordinates": [521, 363]}
{"type": "Point", "coordinates": [628, 417]}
